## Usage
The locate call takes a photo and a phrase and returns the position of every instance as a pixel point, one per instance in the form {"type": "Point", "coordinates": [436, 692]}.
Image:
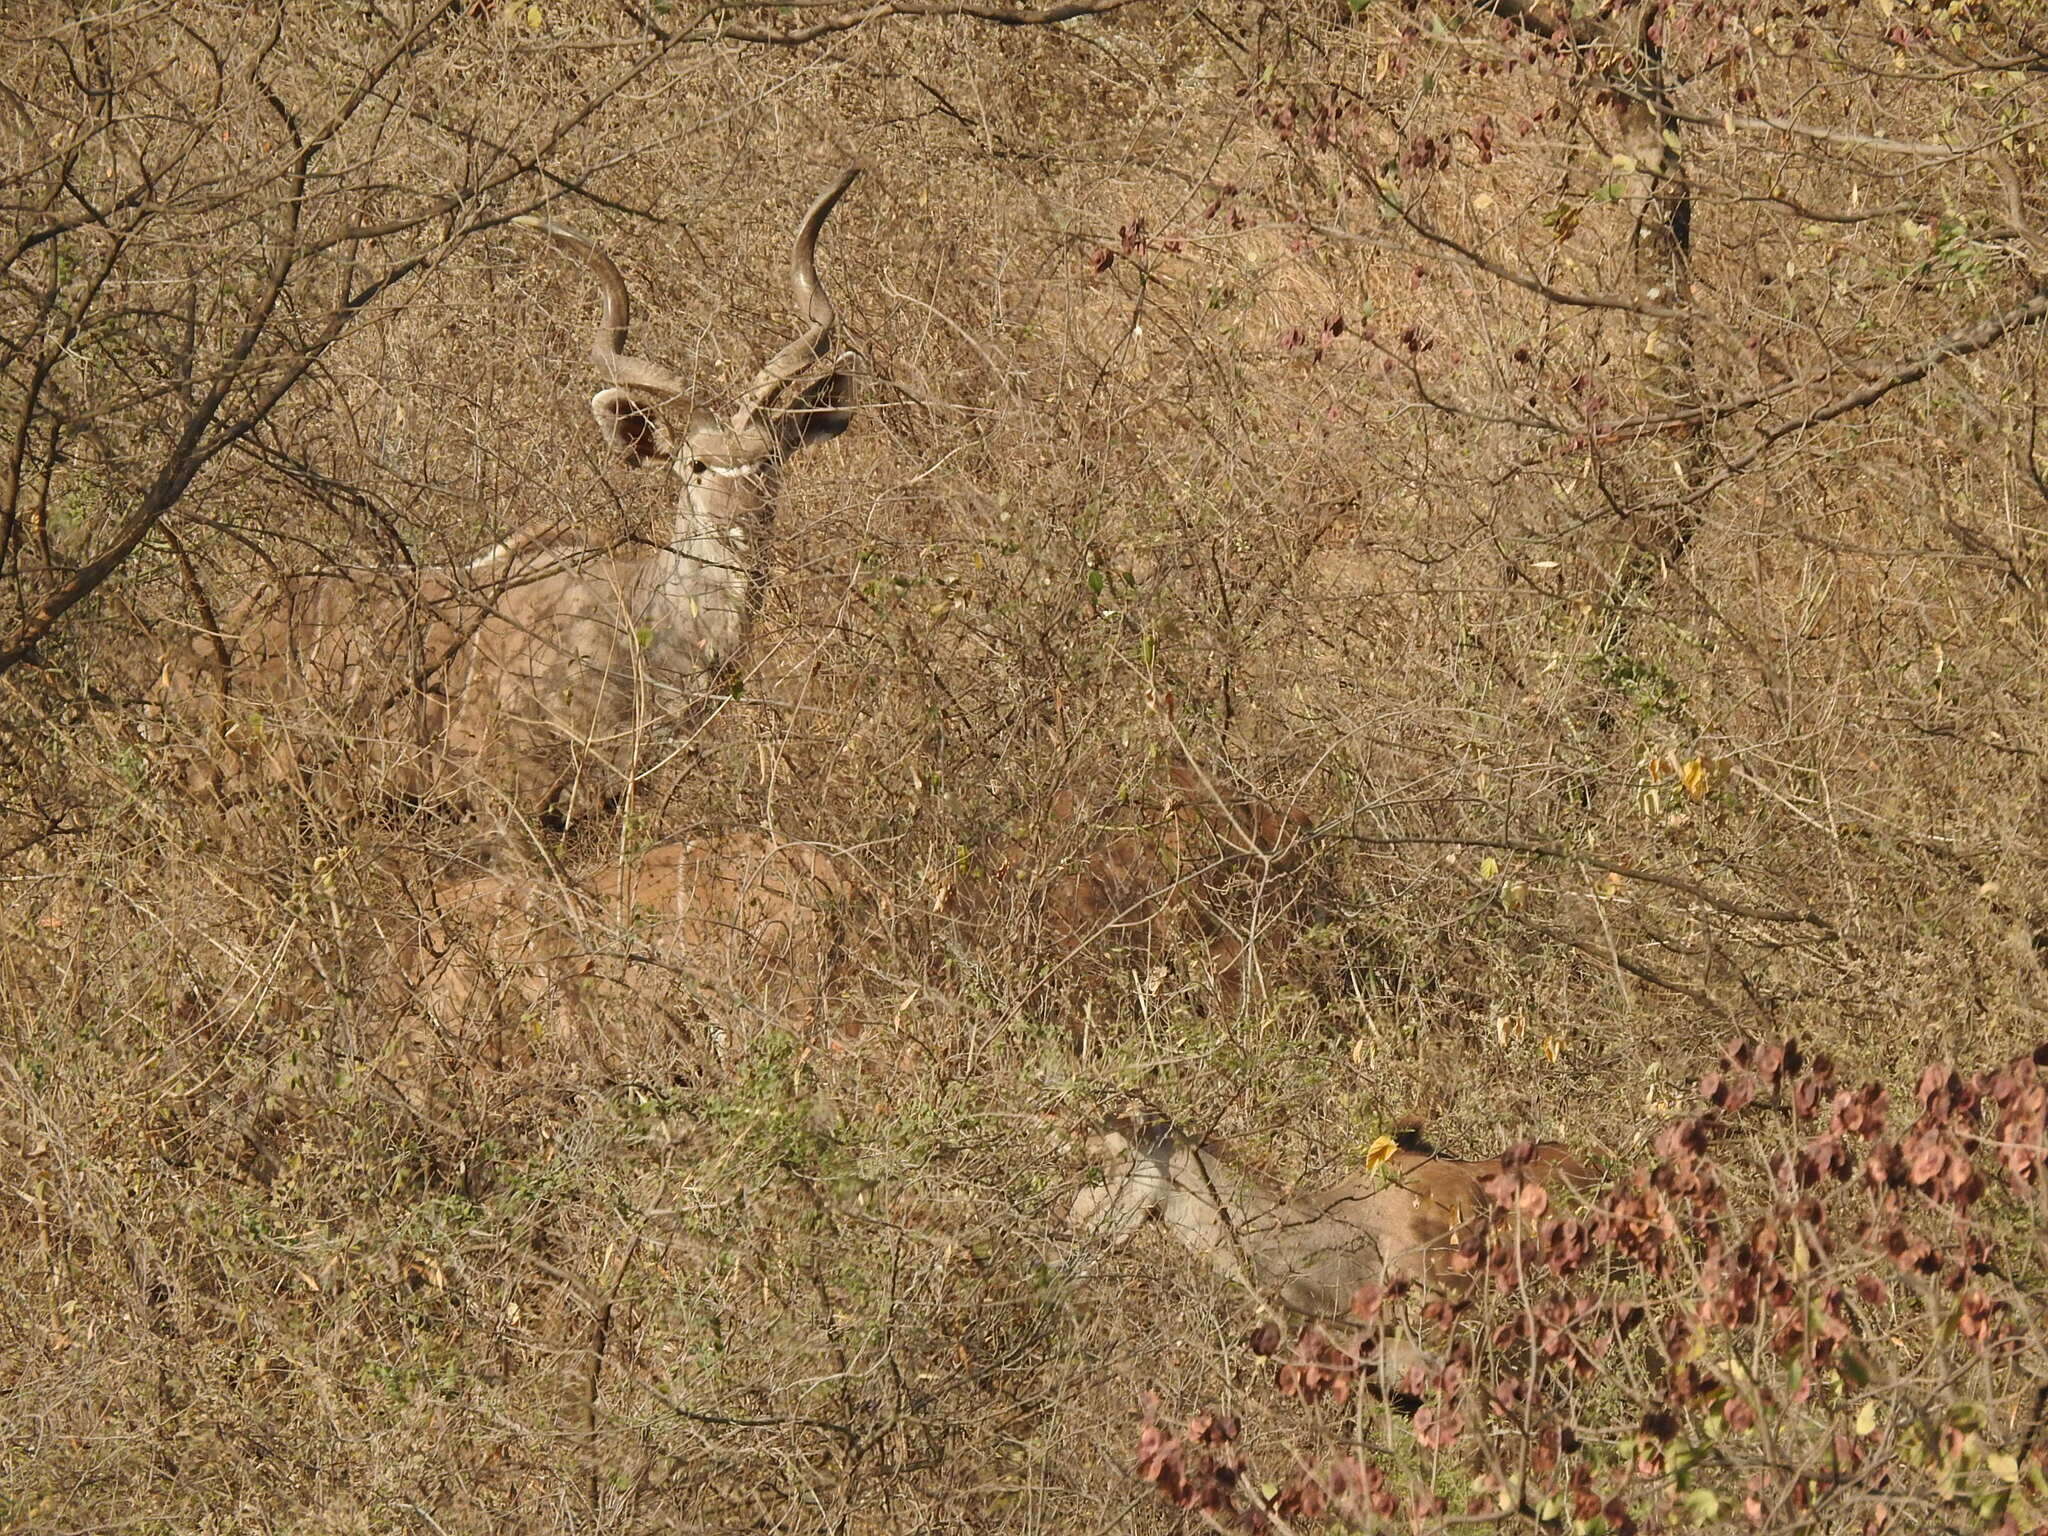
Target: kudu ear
{"type": "Point", "coordinates": [818, 415]}
{"type": "Point", "coordinates": [633, 430]}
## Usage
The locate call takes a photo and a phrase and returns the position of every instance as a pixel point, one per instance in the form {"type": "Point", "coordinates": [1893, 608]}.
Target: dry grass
{"type": "Point", "coordinates": [1568, 799]}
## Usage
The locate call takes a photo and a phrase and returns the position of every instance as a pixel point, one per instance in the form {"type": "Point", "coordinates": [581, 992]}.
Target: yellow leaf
{"type": "Point", "coordinates": [1553, 1048]}
{"type": "Point", "coordinates": [534, 19]}
{"type": "Point", "coordinates": [2004, 1466]}
{"type": "Point", "coordinates": [1380, 1152]}
{"type": "Point", "coordinates": [1696, 776]}
{"type": "Point", "coordinates": [1866, 1419]}
{"type": "Point", "coordinates": [1489, 868]}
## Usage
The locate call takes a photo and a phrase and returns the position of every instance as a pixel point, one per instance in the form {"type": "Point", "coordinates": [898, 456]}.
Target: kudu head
{"type": "Point", "coordinates": [727, 467]}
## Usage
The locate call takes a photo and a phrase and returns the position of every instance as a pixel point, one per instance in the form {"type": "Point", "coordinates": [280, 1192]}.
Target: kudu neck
{"type": "Point", "coordinates": [723, 516]}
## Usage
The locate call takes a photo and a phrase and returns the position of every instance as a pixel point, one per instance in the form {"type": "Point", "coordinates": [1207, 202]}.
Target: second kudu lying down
{"type": "Point", "coordinates": [1312, 1250]}
{"type": "Point", "coordinates": [546, 670]}
{"type": "Point", "coordinates": [709, 928]}
{"type": "Point", "coordinates": [742, 912]}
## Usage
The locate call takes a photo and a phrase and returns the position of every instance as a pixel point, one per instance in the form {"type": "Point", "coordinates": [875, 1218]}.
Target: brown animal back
{"type": "Point", "coordinates": [1171, 869]}
{"type": "Point", "coordinates": [738, 909]}
{"type": "Point", "coordinates": [1445, 1193]}
{"type": "Point", "coordinates": [333, 680]}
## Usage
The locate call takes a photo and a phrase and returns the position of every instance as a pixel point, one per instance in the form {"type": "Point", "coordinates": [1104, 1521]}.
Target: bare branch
{"type": "Point", "coordinates": [1493, 268]}
{"type": "Point", "coordinates": [1685, 887]}
{"type": "Point", "coordinates": [847, 20]}
{"type": "Point", "coordinates": [1844, 136]}
{"type": "Point", "coordinates": [1977, 338]}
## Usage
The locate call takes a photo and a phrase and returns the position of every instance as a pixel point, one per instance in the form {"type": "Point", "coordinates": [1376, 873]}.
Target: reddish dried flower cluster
{"type": "Point", "coordinates": [1198, 1471]}
{"type": "Point", "coordinates": [1296, 337]}
{"type": "Point", "coordinates": [1322, 1368]}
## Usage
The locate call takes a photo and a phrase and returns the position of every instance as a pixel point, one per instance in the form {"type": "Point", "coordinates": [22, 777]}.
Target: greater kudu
{"type": "Point", "coordinates": [707, 930]}
{"type": "Point", "coordinates": [1170, 868]}
{"type": "Point", "coordinates": [549, 667]}
{"type": "Point", "coordinates": [1309, 1251]}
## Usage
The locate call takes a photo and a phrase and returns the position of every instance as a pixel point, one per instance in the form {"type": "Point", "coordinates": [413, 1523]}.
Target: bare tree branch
{"type": "Point", "coordinates": [847, 20]}
{"type": "Point", "coordinates": [1976, 338]}
{"type": "Point", "coordinates": [1492, 268]}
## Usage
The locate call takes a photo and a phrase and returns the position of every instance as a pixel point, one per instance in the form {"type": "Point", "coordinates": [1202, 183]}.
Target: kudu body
{"type": "Point", "coordinates": [1184, 872]}
{"type": "Point", "coordinates": [551, 666]}
{"type": "Point", "coordinates": [1210, 872]}
{"type": "Point", "coordinates": [713, 927]}
{"type": "Point", "coordinates": [1310, 1251]}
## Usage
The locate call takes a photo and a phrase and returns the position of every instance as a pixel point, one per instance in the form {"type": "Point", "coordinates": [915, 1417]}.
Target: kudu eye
{"type": "Point", "coordinates": [697, 467]}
